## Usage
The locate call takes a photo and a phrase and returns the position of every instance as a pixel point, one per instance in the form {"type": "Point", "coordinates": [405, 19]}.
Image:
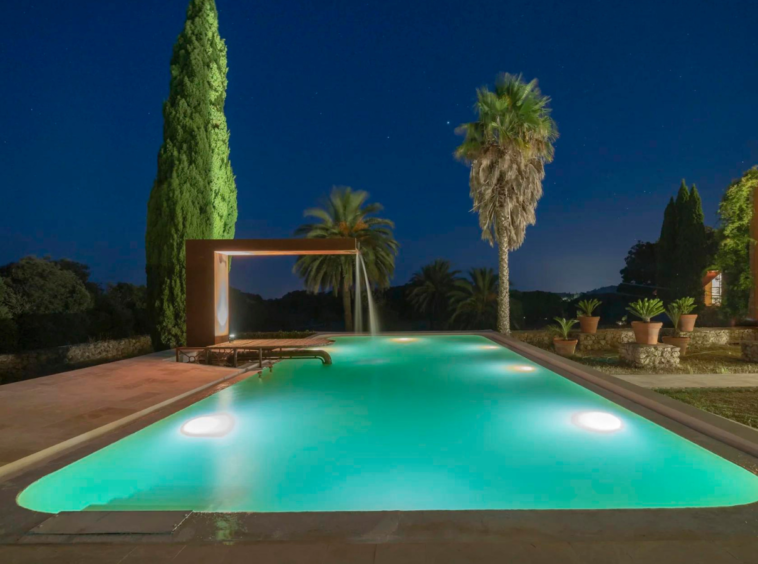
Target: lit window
{"type": "Point", "coordinates": [716, 287]}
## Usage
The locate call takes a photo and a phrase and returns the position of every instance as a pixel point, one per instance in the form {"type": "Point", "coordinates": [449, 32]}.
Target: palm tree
{"type": "Point", "coordinates": [475, 300]}
{"type": "Point", "coordinates": [345, 214]}
{"type": "Point", "coordinates": [431, 288]}
{"type": "Point", "coordinates": [507, 148]}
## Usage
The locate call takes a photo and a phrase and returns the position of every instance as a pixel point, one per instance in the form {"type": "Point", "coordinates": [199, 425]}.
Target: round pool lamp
{"type": "Point", "coordinates": [598, 421]}
{"type": "Point", "coordinates": [489, 347]}
{"type": "Point", "coordinates": [404, 339]}
{"type": "Point", "coordinates": [522, 368]}
{"type": "Point", "coordinates": [216, 425]}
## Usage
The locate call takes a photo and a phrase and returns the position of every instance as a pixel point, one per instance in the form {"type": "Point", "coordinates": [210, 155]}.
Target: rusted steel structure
{"type": "Point", "coordinates": [207, 273]}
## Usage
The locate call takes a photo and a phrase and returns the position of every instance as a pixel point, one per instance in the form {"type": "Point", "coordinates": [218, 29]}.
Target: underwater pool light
{"type": "Point", "coordinates": [489, 347]}
{"type": "Point", "coordinates": [216, 425]}
{"type": "Point", "coordinates": [404, 339]}
{"type": "Point", "coordinates": [599, 421]}
{"type": "Point", "coordinates": [522, 368]}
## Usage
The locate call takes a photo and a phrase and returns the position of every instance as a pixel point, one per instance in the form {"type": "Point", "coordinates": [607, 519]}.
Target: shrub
{"type": "Point", "coordinates": [586, 307]}
{"type": "Point", "coordinates": [646, 309]}
{"type": "Point", "coordinates": [713, 316]}
{"type": "Point", "coordinates": [562, 330]}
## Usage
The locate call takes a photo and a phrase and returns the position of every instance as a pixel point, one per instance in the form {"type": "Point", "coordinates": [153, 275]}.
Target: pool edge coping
{"type": "Point", "coordinates": [724, 430]}
{"type": "Point", "coordinates": [625, 524]}
{"type": "Point", "coordinates": [22, 464]}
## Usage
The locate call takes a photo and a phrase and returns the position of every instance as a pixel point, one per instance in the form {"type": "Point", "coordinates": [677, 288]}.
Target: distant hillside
{"type": "Point", "coordinates": [603, 290]}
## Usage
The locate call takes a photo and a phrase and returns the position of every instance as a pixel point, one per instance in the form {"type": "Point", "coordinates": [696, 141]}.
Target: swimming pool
{"type": "Point", "coordinates": [403, 423]}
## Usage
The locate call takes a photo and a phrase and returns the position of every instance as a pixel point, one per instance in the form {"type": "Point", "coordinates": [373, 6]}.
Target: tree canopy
{"type": "Point", "coordinates": [40, 286]}
{"type": "Point", "coordinates": [345, 213]}
{"type": "Point", "coordinates": [641, 266]}
{"type": "Point", "coordinates": [430, 291]}
{"type": "Point", "coordinates": [735, 243]}
{"type": "Point", "coordinates": [475, 300]}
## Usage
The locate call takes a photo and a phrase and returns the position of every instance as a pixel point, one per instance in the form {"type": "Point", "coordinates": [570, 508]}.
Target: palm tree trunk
{"type": "Point", "coordinates": [346, 305]}
{"type": "Point", "coordinates": [504, 300]}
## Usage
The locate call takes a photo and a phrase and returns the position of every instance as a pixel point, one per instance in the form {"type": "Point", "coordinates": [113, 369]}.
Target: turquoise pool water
{"type": "Point", "coordinates": [442, 422]}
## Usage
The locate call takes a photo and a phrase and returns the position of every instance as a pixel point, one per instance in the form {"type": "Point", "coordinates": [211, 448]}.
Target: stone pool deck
{"type": "Point", "coordinates": [39, 415]}
{"type": "Point", "coordinates": [434, 552]}
{"type": "Point", "coordinates": [692, 536]}
{"type": "Point", "coordinates": [692, 380]}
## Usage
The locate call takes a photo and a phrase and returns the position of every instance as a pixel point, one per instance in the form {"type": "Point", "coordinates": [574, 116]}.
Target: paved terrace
{"type": "Point", "coordinates": [41, 413]}
{"type": "Point", "coordinates": [692, 380]}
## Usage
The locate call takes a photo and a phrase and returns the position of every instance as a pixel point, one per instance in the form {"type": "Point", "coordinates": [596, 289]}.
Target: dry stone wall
{"type": "Point", "coordinates": [605, 339]}
{"type": "Point", "coordinates": [30, 364]}
{"type": "Point", "coordinates": [649, 356]}
{"type": "Point", "coordinates": [610, 339]}
{"type": "Point", "coordinates": [709, 336]}
{"type": "Point", "coordinates": [541, 338]}
{"type": "Point", "coordinates": [749, 350]}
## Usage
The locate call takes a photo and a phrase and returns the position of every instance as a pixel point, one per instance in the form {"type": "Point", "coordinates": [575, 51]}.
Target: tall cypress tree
{"type": "Point", "coordinates": [694, 251]}
{"type": "Point", "coordinates": [665, 251]}
{"type": "Point", "coordinates": [683, 251]}
{"type": "Point", "coordinates": [194, 195]}
{"type": "Point", "coordinates": [679, 258]}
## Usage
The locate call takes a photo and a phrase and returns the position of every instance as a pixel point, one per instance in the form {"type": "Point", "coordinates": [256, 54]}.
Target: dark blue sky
{"type": "Point", "coordinates": [368, 95]}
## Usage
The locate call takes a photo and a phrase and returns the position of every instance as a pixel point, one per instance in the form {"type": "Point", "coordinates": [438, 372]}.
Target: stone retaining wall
{"type": "Point", "coordinates": [539, 338]}
{"type": "Point", "coordinates": [707, 336]}
{"type": "Point", "coordinates": [610, 339]}
{"type": "Point", "coordinates": [605, 339]}
{"type": "Point", "coordinates": [749, 350]}
{"type": "Point", "coordinates": [30, 364]}
{"type": "Point", "coordinates": [649, 356]}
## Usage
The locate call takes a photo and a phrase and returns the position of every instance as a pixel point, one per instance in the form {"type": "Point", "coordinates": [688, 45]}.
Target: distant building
{"type": "Point", "coordinates": [712, 287]}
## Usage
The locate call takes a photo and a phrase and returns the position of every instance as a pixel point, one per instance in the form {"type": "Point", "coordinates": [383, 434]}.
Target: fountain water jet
{"type": "Point", "coordinates": [358, 301]}
{"type": "Point", "coordinates": [373, 319]}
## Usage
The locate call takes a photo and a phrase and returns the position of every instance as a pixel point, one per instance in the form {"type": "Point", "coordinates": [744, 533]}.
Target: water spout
{"type": "Point", "coordinates": [373, 320]}
{"type": "Point", "coordinates": [358, 301]}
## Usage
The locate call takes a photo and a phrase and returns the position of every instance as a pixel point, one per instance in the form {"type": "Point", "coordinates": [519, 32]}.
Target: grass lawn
{"type": "Point", "coordinates": [720, 359]}
{"type": "Point", "coordinates": [737, 404]}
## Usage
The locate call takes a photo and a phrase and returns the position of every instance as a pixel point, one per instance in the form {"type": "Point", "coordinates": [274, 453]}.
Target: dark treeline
{"type": "Point", "coordinates": [300, 311]}
{"type": "Point", "coordinates": [674, 266]}
{"type": "Point", "coordinates": [48, 303]}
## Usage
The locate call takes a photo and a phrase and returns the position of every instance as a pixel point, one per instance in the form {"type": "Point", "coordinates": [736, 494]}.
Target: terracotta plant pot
{"type": "Point", "coordinates": [646, 333]}
{"type": "Point", "coordinates": [565, 348]}
{"type": "Point", "coordinates": [687, 322]}
{"type": "Point", "coordinates": [588, 324]}
{"type": "Point", "coordinates": [680, 342]}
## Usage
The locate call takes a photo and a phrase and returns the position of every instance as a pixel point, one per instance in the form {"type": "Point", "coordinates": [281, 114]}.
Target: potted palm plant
{"type": "Point", "coordinates": [588, 322]}
{"type": "Point", "coordinates": [646, 331]}
{"type": "Point", "coordinates": [686, 319]}
{"type": "Point", "coordinates": [563, 345]}
{"type": "Point", "coordinates": [674, 312]}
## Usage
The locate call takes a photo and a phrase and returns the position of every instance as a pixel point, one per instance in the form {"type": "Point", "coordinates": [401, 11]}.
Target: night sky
{"type": "Point", "coordinates": [368, 95]}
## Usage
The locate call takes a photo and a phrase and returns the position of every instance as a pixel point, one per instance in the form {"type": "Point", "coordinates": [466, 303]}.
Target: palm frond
{"type": "Point", "coordinates": [474, 300]}
{"type": "Point", "coordinates": [344, 213]}
{"type": "Point", "coordinates": [507, 148]}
